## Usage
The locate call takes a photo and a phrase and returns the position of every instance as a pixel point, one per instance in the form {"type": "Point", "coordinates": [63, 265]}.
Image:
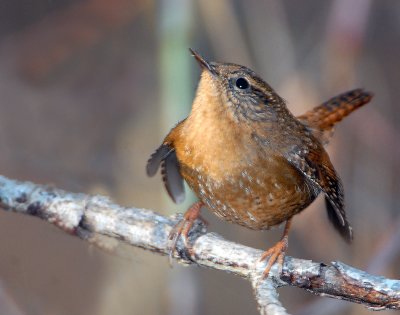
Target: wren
{"type": "Point", "coordinates": [248, 159]}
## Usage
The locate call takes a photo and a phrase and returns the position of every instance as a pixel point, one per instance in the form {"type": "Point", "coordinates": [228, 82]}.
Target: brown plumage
{"type": "Point", "coordinates": [248, 159]}
{"type": "Point", "coordinates": [323, 118]}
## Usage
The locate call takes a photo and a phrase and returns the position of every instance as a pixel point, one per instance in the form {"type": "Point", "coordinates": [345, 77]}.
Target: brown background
{"type": "Point", "coordinates": [89, 88]}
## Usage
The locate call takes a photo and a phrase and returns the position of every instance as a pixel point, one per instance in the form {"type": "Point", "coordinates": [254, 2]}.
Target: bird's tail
{"type": "Point", "coordinates": [324, 117]}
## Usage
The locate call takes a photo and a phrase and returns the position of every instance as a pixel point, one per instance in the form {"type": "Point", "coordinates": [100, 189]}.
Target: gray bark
{"type": "Point", "coordinates": [91, 217]}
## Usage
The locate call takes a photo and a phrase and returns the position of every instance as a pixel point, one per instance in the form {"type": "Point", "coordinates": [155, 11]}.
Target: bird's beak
{"type": "Point", "coordinates": [202, 62]}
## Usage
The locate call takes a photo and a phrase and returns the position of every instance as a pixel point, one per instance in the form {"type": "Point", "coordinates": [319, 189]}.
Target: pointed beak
{"type": "Point", "coordinates": [202, 62]}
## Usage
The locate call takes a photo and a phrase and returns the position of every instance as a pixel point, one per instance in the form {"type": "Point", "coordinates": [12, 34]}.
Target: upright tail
{"type": "Point", "coordinates": [324, 117]}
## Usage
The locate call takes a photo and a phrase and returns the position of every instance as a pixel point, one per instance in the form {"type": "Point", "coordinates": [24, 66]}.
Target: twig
{"type": "Point", "coordinates": [267, 296]}
{"type": "Point", "coordinates": [91, 217]}
{"type": "Point", "coordinates": [383, 255]}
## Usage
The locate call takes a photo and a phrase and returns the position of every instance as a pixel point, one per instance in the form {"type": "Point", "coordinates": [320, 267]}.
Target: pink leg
{"type": "Point", "coordinates": [183, 228]}
{"type": "Point", "coordinates": [277, 252]}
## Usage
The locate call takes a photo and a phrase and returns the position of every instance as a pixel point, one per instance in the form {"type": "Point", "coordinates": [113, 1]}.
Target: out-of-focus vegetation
{"type": "Point", "coordinates": [89, 88]}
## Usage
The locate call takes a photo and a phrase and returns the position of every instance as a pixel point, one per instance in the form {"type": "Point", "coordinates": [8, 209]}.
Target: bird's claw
{"type": "Point", "coordinates": [276, 254]}
{"type": "Point", "coordinates": [183, 229]}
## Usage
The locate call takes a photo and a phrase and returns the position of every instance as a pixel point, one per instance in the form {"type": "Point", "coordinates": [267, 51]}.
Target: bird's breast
{"type": "Point", "coordinates": [258, 195]}
{"type": "Point", "coordinates": [234, 176]}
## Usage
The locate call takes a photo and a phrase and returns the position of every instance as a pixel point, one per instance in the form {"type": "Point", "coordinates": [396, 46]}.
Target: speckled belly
{"type": "Point", "coordinates": [256, 197]}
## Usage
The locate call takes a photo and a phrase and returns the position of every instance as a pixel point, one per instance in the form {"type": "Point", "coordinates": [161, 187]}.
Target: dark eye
{"type": "Point", "coordinates": [242, 83]}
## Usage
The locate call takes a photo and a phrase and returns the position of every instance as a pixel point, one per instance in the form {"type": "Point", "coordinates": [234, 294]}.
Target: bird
{"type": "Point", "coordinates": [248, 159]}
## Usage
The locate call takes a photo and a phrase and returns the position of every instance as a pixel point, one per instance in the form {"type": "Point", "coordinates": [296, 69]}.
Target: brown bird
{"type": "Point", "coordinates": [248, 159]}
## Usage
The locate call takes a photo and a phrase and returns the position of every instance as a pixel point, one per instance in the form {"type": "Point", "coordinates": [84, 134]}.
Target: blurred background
{"type": "Point", "coordinates": [88, 89]}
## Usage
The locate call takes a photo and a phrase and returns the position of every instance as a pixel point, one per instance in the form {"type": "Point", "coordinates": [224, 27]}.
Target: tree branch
{"type": "Point", "coordinates": [91, 217]}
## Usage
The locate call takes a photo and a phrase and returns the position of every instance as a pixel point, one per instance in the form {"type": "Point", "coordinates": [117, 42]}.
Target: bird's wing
{"type": "Point", "coordinates": [165, 156]}
{"type": "Point", "coordinates": [322, 119]}
{"type": "Point", "coordinates": [156, 158]}
{"type": "Point", "coordinates": [319, 171]}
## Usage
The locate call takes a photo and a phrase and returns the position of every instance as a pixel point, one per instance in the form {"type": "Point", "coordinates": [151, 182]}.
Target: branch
{"type": "Point", "coordinates": [91, 217]}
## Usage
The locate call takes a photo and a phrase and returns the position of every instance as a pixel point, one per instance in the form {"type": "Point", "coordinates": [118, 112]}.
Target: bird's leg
{"type": "Point", "coordinates": [278, 251]}
{"type": "Point", "coordinates": [183, 228]}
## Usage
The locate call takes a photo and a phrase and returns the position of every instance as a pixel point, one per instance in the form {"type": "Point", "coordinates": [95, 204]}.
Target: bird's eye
{"type": "Point", "coordinates": [242, 83]}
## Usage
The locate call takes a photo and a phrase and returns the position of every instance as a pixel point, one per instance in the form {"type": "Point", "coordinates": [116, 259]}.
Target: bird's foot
{"type": "Point", "coordinates": [276, 255]}
{"type": "Point", "coordinates": [277, 252]}
{"type": "Point", "coordinates": [183, 228]}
